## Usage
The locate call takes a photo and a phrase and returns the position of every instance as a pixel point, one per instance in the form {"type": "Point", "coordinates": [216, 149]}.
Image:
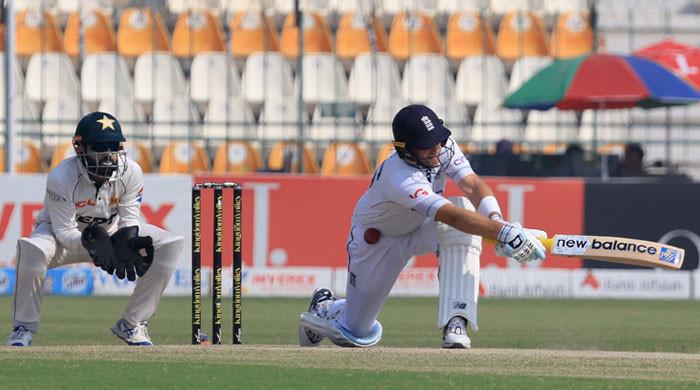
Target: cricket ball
{"type": "Point", "coordinates": [372, 236]}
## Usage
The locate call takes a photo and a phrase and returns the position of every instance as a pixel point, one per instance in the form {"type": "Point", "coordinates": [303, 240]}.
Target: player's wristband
{"type": "Point", "coordinates": [488, 207]}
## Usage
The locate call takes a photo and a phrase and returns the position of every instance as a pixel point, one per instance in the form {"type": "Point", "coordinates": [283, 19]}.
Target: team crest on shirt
{"type": "Point", "coordinates": [417, 193]}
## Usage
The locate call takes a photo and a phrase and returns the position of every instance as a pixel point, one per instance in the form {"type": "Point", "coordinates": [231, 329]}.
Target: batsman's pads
{"type": "Point", "coordinates": [127, 247]}
{"type": "Point", "coordinates": [519, 244]}
{"type": "Point", "coordinates": [96, 241]}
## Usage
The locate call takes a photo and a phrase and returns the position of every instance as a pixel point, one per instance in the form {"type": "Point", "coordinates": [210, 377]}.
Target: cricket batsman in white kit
{"type": "Point", "coordinates": [404, 214]}
{"type": "Point", "coordinates": [92, 212]}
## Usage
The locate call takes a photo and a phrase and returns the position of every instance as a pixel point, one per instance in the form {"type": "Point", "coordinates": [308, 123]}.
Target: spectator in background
{"type": "Point", "coordinates": [573, 163]}
{"type": "Point", "coordinates": [633, 163]}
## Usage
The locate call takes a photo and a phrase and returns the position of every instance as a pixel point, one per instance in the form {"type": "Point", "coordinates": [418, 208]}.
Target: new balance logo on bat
{"type": "Point", "coordinates": [579, 244]}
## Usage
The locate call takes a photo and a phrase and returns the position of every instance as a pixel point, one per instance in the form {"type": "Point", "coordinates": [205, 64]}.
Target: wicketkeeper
{"type": "Point", "coordinates": [92, 212]}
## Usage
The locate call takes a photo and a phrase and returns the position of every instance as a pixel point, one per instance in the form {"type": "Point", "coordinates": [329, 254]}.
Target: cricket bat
{"type": "Point", "coordinates": [616, 250]}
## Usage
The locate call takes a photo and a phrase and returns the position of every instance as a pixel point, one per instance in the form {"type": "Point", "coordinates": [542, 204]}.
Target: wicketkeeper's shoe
{"type": "Point", "coordinates": [132, 335]}
{"type": "Point", "coordinates": [455, 334]}
{"type": "Point", "coordinates": [19, 337]}
{"type": "Point", "coordinates": [307, 337]}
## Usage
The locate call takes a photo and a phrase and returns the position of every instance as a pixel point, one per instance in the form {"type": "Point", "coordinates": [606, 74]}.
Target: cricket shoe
{"type": "Point", "coordinates": [132, 335]}
{"type": "Point", "coordinates": [455, 334]}
{"type": "Point", "coordinates": [20, 337]}
{"type": "Point", "coordinates": [308, 337]}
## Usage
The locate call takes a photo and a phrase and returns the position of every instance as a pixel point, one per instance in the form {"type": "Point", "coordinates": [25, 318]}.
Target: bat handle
{"type": "Point", "coordinates": [548, 242]}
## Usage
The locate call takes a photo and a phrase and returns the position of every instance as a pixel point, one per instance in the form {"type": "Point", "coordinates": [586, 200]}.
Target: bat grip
{"type": "Point", "coordinates": [548, 242]}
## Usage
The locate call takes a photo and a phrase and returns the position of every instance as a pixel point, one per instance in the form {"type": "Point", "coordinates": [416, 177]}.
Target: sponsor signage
{"type": "Point", "coordinates": [525, 283]}
{"type": "Point", "coordinates": [632, 284]}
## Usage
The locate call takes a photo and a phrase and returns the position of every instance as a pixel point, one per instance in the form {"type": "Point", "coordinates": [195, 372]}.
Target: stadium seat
{"type": "Point", "coordinates": [394, 7]}
{"type": "Point", "coordinates": [232, 7]}
{"type": "Point", "coordinates": [412, 34]}
{"type": "Point", "coordinates": [449, 7]}
{"type": "Point", "coordinates": [453, 114]}
{"type": "Point", "coordinates": [427, 80]}
{"type": "Point", "coordinates": [481, 80]}
{"type": "Point", "coordinates": [98, 33]}
{"type": "Point", "coordinates": [521, 34]}
{"type": "Point", "coordinates": [345, 159]}
{"type": "Point", "coordinates": [467, 35]}
{"type": "Point", "coordinates": [557, 7]}
{"type": "Point", "coordinates": [49, 5]}
{"type": "Point", "coordinates": [237, 157]}
{"type": "Point", "coordinates": [252, 32]}
{"type": "Point", "coordinates": [572, 35]}
{"type": "Point", "coordinates": [178, 7]}
{"type": "Point", "coordinates": [283, 157]}
{"type": "Point", "coordinates": [50, 76]}
{"type": "Point", "coordinates": [324, 79]}
{"type": "Point", "coordinates": [27, 159]}
{"type": "Point", "coordinates": [183, 157]}
{"type": "Point", "coordinates": [175, 118]}
{"type": "Point", "coordinates": [104, 75]}
{"type": "Point", "coordinates": [379, 118]}
{"type": "Point", "coordinates": [25, 115]}
{"type": "Point", "coordinates": [352, 37]}
{"type": "Point", "coordinates": [197, 32]}
{"type": "Point", "coordinates": [36, 31]}
{"type": "Point", "coordinates": [229, 118]}
{"type": "Point", "coordinates": [2, 37]}
{"type": "Point", "coordinates": [18, 77]}
{"type": "Point", "coordinates": [384, 152]}
{"type": "Point", "coordinates": [267, 76]}
{"type": "Point", "coordinates": [157, 76]}
{"type": "Point", "coordinates": [342, 7]}
{"type": "Point", "coordinates": [682, 116]}
{"type": "Point", "coordinates": [141, 154]}
{"type": "Point", "coordinates": [605, 126]}
{"type": "Point", "coordinates": [551, 126]}
{"type": "Point", "coordinates": [284, 7]}
{"type": "Point", "coordinates": [503, 7]}
{"type": "Point", "coordinates": [492, 124]}
{"type": "Point", "coordinates": [141, 31]}
{"type": "Point", "coordinates": [213, 76]}
{"type": "Point", "coordinates": [374, 77]}
{"type": "Point", "coordinates": [66, 7]}
{"type": "Point", "coordinates": [59, 118]}
{"type": "Point", "coordinates": [338, 121]}
{"type": "Point", "coordinates": [279, 120]}
{"type": "Point", "coordinates": [524, 68]}
{"type": "Point", "coordinates": [129, 113]}
{"type": "Point", "coordinates": [61, 152]}
{"type": "Point", "coordinates": [317, 35]}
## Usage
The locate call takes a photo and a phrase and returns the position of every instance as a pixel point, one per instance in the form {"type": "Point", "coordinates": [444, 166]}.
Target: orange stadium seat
{"type": "Point", "coordinates": [572, 35]}
{"type": "Point", "coordinates": [98, 33]}
{"type": "Point", "coordinates": [141, 154]}
{"type": "Point", "coordinates": [37, 32]}
{"type": "Point", "coordinates": [197, 32]}
{"type": "Point", "coordinates": [467, 35]}
{"type": "Point", "coordinates": [237, 157]}
{"type": "Point", "coordinates": [140, 31]}
{"type": "Point", "coordinates": [61, 152]}
{"type": "Point", "coordinates": [384, 152]}
{"type": "Point", "coordinates": [317, 35]}
{"type": "Point", "coordinates": [252, 32]}
{"type": "Point", "coordinates": [27, 159]}
{"type": "Point", "coordinates": [183, 157]}
{"type": "Point", "coordinates": [352, 37]}
{"type": "Point", "coordinates": [283, 156]}
{"type": "Point", "coordinates": [521, 33]}
{"type": "Point", "coordinates": [413, 33]}
{"type": "Point", "coordinates": [345, 159]}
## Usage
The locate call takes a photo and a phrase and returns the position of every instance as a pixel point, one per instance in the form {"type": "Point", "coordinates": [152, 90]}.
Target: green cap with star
{"type": "Point", "coordinates": [99, 127]}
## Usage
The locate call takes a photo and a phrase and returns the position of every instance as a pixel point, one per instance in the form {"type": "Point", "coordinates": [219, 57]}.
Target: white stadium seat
{"type": "Point", "coordinates": [551, 126]}
{"type": "Point", "coordinates": [339, 121]}
{"type": "Point", "coordinates": [213, 76]}
{"type": "Point", "coordinates": [427, 79]}
{"type": "Point", "coordinates": [481, 80]}
{"type": "Point", "coordinates": [129, 113]}
{"type": "Point", "coordinates": [524, 68]}
{"type": "Point", "coordinates": [105, 75]}
{"type": "Point", "coordinates": [157, 75]}
{"type": "Point", "coordinates": [59, 117]}
{"type": "Point", "coordinates": [374, 77]}
{"type": "Point", "coordinates": [492, 124]}
{"type": "Point", "coordinates": [50, 76]}
{"type": "Point", "coordinates": [379, 117]}
{"type": "Point", "coordinates": [324, 79]}
{"type": "Point", "coordinates": [176, 118]}
{"type": "Point", "coordinates": [266, 76]}
{"type": "Point", "coordinates": [605, 126]}
{"type": "Point", "coordinates": [279, 120]}
{"type": "Point", "coordinates": [229, 119]}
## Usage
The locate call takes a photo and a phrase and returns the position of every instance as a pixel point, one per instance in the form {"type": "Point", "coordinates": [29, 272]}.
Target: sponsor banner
{"type": "Point", "coordinates": [412, 282]}
{"type": "Point", "coordinates": [659, 212]}
{"type": "Point", "coordinates": [7, 281]}
{"type": "Point", "coordinates": [696, 284]}
{"type": "Point", "coordinates": [287, 281]}
{"type": "Point", "coordinates": [525, 283]}
{"type": "Point", "coordinates": [69, 281]}
{"type": "Point", "coordinates": [302, 221]}
{"type": "Point", "coordinates": [635, 284]}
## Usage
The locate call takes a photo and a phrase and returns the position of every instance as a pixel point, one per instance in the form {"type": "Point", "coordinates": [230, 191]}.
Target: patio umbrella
{"type": "Point", "coordinates": [602, 81]}
{"type": "Point", "coordinates": [683, 59]}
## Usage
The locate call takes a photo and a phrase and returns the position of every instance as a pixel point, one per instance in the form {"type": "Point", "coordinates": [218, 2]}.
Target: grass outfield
{"type": "Point", "coordinates": [521, 344]}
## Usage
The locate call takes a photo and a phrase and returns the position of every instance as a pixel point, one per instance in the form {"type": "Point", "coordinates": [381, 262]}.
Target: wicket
{"type": "Point", "coordinates": [217, 260]}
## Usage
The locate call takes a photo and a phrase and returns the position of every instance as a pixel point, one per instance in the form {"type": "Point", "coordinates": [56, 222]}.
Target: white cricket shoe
{"type": "Point", "coordinates": [132, 335]}
{"type": "Point", "coordinates": [307, 337]}
{"type": "Point", "coordinates": [455, 334]}
{"type": "Point", "coordinates": [20, 337]}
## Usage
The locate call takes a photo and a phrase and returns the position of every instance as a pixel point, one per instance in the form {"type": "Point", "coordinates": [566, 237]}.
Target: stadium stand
{"type": "Point", "coordinates": [103, 76]}
{"type": "Point", "coordinates": [468, 35]}
{"type": "Point", "coordinates": [51, 76]}
{"type": "Point", "coordinates": [237, 157]}
{"type": "Point", "coordinates": [481, 80]}
{"type": "Point", "coordinates": [157, 77]}
{"type": "Point", "coordinates": [98, 33]}
{"type": "Point", "coordinates": [324, 80]}
{"type": "Point", "coordinates": [267, 76]}
{"type": "Point", "coordinates": [572, 35]}
{"type": "Point", "coordinates": [213, 76]}
{"type": "Point", "coordinates": [229, 118]}
{"type": "Point", "coordinates": [317, 35]}
{"type": "Point", "coordinates": [37, 32]}
{"type": "Point", "coordinates": [357, 34]}
{"type": "Point", "coordinates": [27, 159]}
{"type": "Point", "coordinates": [345, 159]}
{"type": "Point", "coordinates": [337, 121]}
{"type": "Point", "coordinates": [284, 158]}
{"type": "Point", "coordinates": [412, 34]}
{"type": "Point", "coordinates": [141, 31]}
{"type": "Point", "coordinates": [374, 77]}
{"type": "Point", "coordinates": [252, 32]}
{"type": "Point", "coordinates": [183, 157]}
{"type": "Point", "coordinates": [521, 34]}
{"type": "Point", "coordinates": [197, 32]}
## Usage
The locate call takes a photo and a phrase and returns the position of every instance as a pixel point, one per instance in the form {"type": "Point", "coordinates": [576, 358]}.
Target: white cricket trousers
{"type": "Point", "coordinates": [373, 270]}
{"type": "Point", "coordinates": [41, 250]}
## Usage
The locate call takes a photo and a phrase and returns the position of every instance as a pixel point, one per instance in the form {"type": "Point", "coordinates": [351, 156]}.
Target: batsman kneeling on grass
{"type": "Point", "coordinates": [92, 212]}
{"type": "Point", "coordinates": [404, 214]}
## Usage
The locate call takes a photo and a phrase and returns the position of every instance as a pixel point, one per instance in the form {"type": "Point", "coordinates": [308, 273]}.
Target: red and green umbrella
{"type": "Point", "coordinates": [602, 81]}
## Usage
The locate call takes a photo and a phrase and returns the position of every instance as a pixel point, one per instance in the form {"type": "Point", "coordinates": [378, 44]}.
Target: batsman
{"type": "Point", "coordinates": [403, 214]}
{"type": "Point", "coordinates": [92, 212]}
